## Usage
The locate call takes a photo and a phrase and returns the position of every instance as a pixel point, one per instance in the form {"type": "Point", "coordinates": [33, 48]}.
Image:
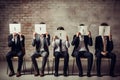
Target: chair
{"type": "Point", "coordinates": [23, 66]}
{"type": "Point", "coordinates": [40, 59]}
{"type": "Point", "coordinates": [62, 59]}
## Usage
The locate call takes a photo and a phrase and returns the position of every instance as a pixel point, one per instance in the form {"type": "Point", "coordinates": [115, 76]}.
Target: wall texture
{"type": "Point", "coordinates": [66, 13]}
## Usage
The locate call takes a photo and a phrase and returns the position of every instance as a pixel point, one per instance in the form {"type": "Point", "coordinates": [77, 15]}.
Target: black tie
{"type": "Point", "coordinates": [60, 45]}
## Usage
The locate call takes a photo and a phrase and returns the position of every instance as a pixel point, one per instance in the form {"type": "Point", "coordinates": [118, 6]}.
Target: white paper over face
{"type": "Point", "coordinates": [61, 34]}
{"type": "Point", "coordinates": [14, 28]}
{"type": "Point", "coordinates": [83, 30]}
{"type": "Point", "coordinates": [40, 28]}
{"type": "Point", "coordinates": [104, 30]}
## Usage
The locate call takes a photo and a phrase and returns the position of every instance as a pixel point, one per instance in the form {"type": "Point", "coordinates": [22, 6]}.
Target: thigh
{"type": "Point", "coordinates": [87, 54]}
{"type": "Point", "coordinates": [110, 55]}
{"type": "Point", "coordinates": [44, 54]}
{"type": "Point", "coordinates": [20, 54]}
{"type": "Point", "coordinates": [65, 54]}
{"type": "Point", "coordinates": [11, 54]}
{"type": "Point", "coordinates": [36, 55]}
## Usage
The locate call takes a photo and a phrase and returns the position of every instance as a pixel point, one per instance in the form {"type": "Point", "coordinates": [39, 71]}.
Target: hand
{"type": "Point", "coordinates": [110, 37]}
{"type": "Point", "coordinates": [20, 34]}
{"type": "Point", "coordinates": [53, 38]}
{"type": "Point", "coordinates": [14, 34]}
{"type": "Point", "coordinates": [67, 38]}
{"type": "Point", "coordinates": [77, 34]}
{"type": "Point", "coordinates": [104, 53]}
{"type": "Point", "coordinates": [34, 34]}
{"type": "Point", "coordinates": [89, 33]}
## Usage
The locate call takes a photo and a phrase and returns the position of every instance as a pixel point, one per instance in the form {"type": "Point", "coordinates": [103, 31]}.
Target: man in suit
{"type": "Point", "coordinates": [80, 50]}
{"type": "Point", "coordinates": [17, 43]}
{"type": "Point", "coordinates": [61, 51]}
{"type": "Point", "coordinates": [42, 42]}
{"type": "Point", "coordinates": [103, 48]}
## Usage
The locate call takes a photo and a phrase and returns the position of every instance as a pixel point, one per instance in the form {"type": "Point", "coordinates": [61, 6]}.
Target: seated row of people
{"type": "Point", "coordinates": [103, 48]}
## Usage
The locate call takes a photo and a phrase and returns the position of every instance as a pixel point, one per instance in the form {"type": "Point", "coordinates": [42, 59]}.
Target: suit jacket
{"type": "Point", "coordinates": [36, 42]}
{"type": "Point", "coordinates": [76, 41]}
{"type": "Point", "coordinates": [16, 46]}
{"type": "Point", "coordinates": [99, 45]}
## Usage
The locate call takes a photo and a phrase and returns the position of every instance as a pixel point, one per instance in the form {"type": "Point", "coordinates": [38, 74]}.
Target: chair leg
{"type": "Point", "coordinates": [7, 69]}
{"type": "Point", "coordinates": [32, 68]}
{"type": "Point", "coordinates": [73, 66]}
{"type": "Point", "coordinates": [48, 66]}
{"type": "Point", "coordinates": [53, 65]}
{"type": "Point", "coordinates": [24, 65]}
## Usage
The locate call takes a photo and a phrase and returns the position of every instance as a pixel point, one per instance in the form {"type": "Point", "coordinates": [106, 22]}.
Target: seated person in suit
{"type": "Point", "coordinates": [80, 43]}
{"type": "Point", "coordinates": [17, 43]}
{"type": "Point", "coordinates": [41, 42]}
{"type": "Point", "coordinates": [60, 51]}
{"type": "Point", "coordinates": [103, 48]}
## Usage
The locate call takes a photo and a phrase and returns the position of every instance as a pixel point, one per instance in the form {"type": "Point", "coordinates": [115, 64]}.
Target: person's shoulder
{"type": "Point", "coordinates": [98, 37]}
{"type": "Point", "coordinates": [10, 35]}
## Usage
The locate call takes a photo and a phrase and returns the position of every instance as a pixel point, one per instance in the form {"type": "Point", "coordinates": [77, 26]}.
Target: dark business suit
{"type": "Point", "coordinates": [16, 50]}
{"type": "Point", "coordinates": [38, 53]}
{"type": "Point", "coordinates": [99, 48]}
{"type": "Point", "coordinates": [78, 54]}
{"type": "Point", "coordinates": [61, 54]}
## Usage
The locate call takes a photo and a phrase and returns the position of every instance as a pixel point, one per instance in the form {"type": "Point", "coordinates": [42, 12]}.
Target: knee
{"type": "Point", "coordinates": [33, 57]}
{"type": "Point", "coordinates": [56, 54]}
{"type": "Point", "coordinates": [8, 56]}
{"type": "Point", "coordinates": [113, 56]}
{"type": "Point", "coordinates": [45, 55]}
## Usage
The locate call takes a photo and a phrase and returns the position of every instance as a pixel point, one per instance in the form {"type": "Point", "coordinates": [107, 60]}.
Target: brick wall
{"type": "Point", "coordinates": [54, 13]}
{"type": "Point", "coordinates": [66, 13]}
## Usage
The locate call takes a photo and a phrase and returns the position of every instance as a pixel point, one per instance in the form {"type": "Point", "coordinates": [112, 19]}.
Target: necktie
{"type": "Point", "coordinates": [60, 45]}
{"type": "Point", "coordinates": [104, 44]}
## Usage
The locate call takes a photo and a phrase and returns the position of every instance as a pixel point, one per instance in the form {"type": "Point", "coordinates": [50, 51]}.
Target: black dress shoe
{"type": "Point", "coordinates": [36, 74]}
{"type": "Point", "coordinates": [11, 74]}
{"type": "Point", "coordinates": [112, 75]}
{"type": "Point", "coordinates": [88, 75]}
{"type": "Point", "coordinates": [65, 74]}
{"type": "Point", "coordinates": [99, 75]}
{"type": "Point", "coordinates": [56, 74]}
{"type": "Point", "coordinates": [18, 74]}
{"type": "Point", "coordinates": [41, 74]}
{"type": "Point", "coordinates": [80, 75]}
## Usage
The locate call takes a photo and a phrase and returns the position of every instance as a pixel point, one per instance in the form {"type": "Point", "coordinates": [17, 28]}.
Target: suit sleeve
{"type": "Point", "coordinates": [23, 41]}
{"type": "Point", "coordinates": [10, 42]}
{"type": "Point", "coordinates": [110, 46]}
{"type": "Point", "coordinates": [96, 44]}
{"type": "Point", "coordinates": [34, 42]}
{"type": "Point", "coordinates": [90, 42]}
{"type": "Point", "coordinates": [75, 40]}
{"type": "Point", "coordinates": [48, 40]}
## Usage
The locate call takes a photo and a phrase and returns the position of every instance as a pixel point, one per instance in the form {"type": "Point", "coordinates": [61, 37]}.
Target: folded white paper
{"type": "Point", "coordinates": [14, 28]}
{"type": "Point", "coordinates": [40, 28]}
{"type": "Point", "coordinates": [83, 30]}
{"type": "Point", "coordinates": [61, 34]}
{"type": "Point", "coordinates": [104, 30]}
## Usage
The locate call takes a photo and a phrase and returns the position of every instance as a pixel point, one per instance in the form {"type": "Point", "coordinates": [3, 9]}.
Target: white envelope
{"type": "Point", "coordinates": [14, 28]}
{"type": "Point", "coordinates": [83, 30]}
{"type": "Point", "coordinates": [61, 34]}
{"type": "Point", "coordinates": [40, 28]}
{"type": "Point", "coordinates": [104, 30]}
